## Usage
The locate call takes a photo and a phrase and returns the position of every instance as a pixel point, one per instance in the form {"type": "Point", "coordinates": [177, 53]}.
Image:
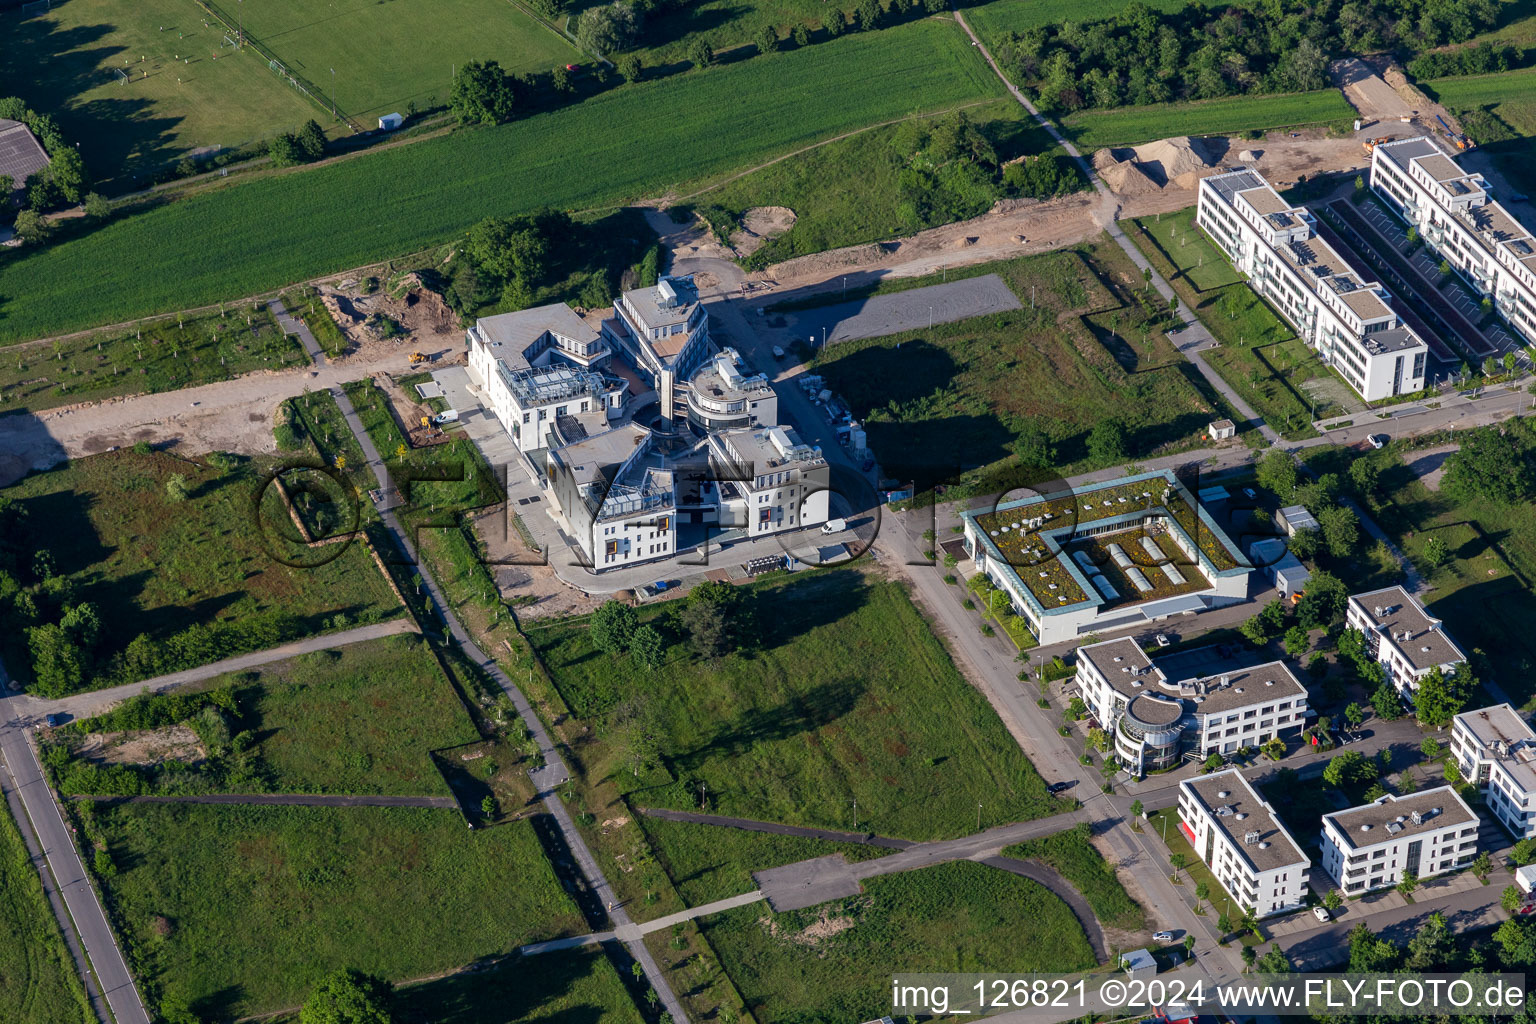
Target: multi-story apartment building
{"type": "Point", "coordinates": [1401, 635]}
{"type": "Point", "coordinates": [1154, 720]}
{"type": "Point", "coordinates": [537, 367]}
{"type": "Point", "coordinates": [1374, 845]}
{"type": "Point", "coordinates": [723, 396]}
{"type": "Point", "coordinates": [618, 496]}
{"type": "Point", "coordinates": [1345, 319]}
{"type": "Point", "coordinates": [1496, 749]}
{"type": "Point", "coordinates": [665, 332]}
{"type": "Point", "coordinates": [768, 481]}
{"type": "Point", "coordinates": [1454, 212]}
{"type": "Point", "coordinates": [1241, 840]}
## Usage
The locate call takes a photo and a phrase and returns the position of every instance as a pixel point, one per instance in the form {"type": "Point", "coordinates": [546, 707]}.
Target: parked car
{"type": "Point", "coordinates": [778, 351]}
{"type": "Point", "coordinates": [1059, 787]}
{"type": "Point", "coordinates": [1529, 908]}
{"type": "Point", "coordinates": [1321, 913]}
{"type": "Point", "coordinates": [1162, 936]}
{"type": "Point", "coordinates": [56, 719]}
{"type": "Point", "coordinates": [1378, 441]}
{"type": "Point", "coordinates": [1162, 640]}
{"type": "Point", "coordinates": [834, 526]}
{"type": "Point", "coordinates": [1250, 493]}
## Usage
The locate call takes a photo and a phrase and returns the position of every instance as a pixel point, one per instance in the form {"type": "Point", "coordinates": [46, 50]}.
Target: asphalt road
{"type": "Point", "coordinates": [908, 310]}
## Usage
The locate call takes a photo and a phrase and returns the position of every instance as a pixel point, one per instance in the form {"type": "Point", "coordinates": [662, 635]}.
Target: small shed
{"type": "Point", "coordinates": [1290, 577]}
{"type": "Point", "coordinates": [1295, 519]}
{"type": "Point", "coordinates": [389, 122]}
{"type": "Point", "coordinates": [1214, 495]}
{"type": "Point", "coordinates": [1525, 877]}
{"type": "Point", "coordinates": [1138, 963]}
{"type": "Point", "coordinates": [1221, 430]}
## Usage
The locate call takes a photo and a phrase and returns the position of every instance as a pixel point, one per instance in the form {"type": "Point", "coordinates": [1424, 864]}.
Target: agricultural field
{"type": "Point", "coordinates": [391, 56]}
{"type": "Point", "coordinates": [164, 356]}
{"type": "Point", "coordinates": [1510, 95]}
{"type": "Point", "coordinates": [38, 981]}
{"type": "Point", "coordinates": [842, 694]}
{"type": "Point", "coordinates": [1088, 351]}
{"type": "Point", "coordinates": [1129, 126]}
{"type": "Point", "coordinates": [199, 93]}
{"type": "Point", "coordinates": [834, 961]}
{"type": "Point", "coordinates": [239, 909]}
{"type": "Point", "coordinates": [194, 576]}
{"type": "Point", "coordinates": [218, 244]}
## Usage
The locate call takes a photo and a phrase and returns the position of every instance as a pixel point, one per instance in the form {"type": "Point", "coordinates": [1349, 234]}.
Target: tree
{"type": "Point", "coordinates": [32, 226]}
{"type": "Point", "coordinates": [1434, 555]}
{"type": "Point", "coordinates": [284, 150]}
{"type": "Point", "coordinates": [1275, 961]}
{"type": "Point", "coordinates": [97, 206]}
{"type": "Point", "coordinates": [481, 93]}
{"type": "Point", "coordinates": [488, 806]}
{"type": "Point", "coordinates": [708, 627]}
{"type": "Point", "coordinates": [1277, 473]}
{"type": "Point", "coordinates": [1202, 890]}
{"type": "Point", "coordinates": [630, 67]}
{"type": "Point", "coordinates": [58, 663]}
{"type": "Point", "coordinates": [1334, 900]}
{"type": "Point", "coordinates": [1034, 448]}
{"type": "Point", "coordinates": [1250, 956]}
{"type": "Point", "coordinates": [1305, 544]}
{"type": "Point", "coordinates": [608, 28]}
{"type": "Point", "coordinates": [1137, 810]}
{"type": "Point", "coordinates": [1213, 763]}
{"type": "Point", "coordinates": [801, 35]}
{"type": "Point", "coordinates": [1106, 441]}
{"type": "Point", "coordinates": [1364, 477]}
{"type": "Point", "coordinates": [647, 648]}
{"type": "Point", "coordinates": [868, 14]}
{"type": "Point", "coordinates": [1408, 883]}
{"type": "Point", "coordinates": [613, 627]}
{"type": "Point", "coordinates": [1430, 748]}
{"type": "Point", "coordinates": [67, 172]}
{"type": "Point", "coordinates": [349, 996]}
{"type": "Point", "coordinates": [1323, 602]}
{"type": "Point", "coordinates": [311, 140]}
{"type": "Point", "coordinates": [1189, 940]}
{"type": "Point", "coordinates": [1340, 528]}
{"type": "Point", "coordinates": [176, 488]}
{"type": "Point", "coordinates": [1511, 898]}
{"type": "Point", "coordinates": [1297, 640]}
{"type": "Point", "coordinates": [1437, 700]}
{"type": "Point", "coordinates": [834, 22]}
{"type": "Point", "coordinates": [1490, 464]}
{"type": "Point", "coordinates": [1255, 630]}
{"type": "Point", "coordinates": [767, 40]}
{"type": "Point", "coordinates": [560, 79]}
{"type": "Point", "coordinates": [1523, 852]}
{"type": "Point", "coordinates": [701, 54]}
{"type": "Point", "coordinates": [1482, 864]}
{"type": "Point", "coordinates": [1388, 705]}
{"type": "Point", "coordinates": [1350, 768]}
{"type": "Point", "coordinates": [1369, 954]}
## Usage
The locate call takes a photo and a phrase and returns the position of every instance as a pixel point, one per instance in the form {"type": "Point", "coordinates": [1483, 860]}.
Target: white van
{"type": "Point", "coordinates": [834, 526]}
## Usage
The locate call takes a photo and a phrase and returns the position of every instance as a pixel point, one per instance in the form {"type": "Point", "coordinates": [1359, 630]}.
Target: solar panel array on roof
{"type": "Point", "coordinates": [20, 153]}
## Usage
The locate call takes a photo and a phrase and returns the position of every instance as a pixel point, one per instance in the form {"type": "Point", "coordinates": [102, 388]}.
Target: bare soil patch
{"type": "Point", "coordinates": [760, 224]}
{"type": "Point", "coordinates": [150, 746]}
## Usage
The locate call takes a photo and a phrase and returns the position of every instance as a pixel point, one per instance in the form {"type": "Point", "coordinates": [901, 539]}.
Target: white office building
{"type": "Point", "coordinates": [617, 495]}
{"type": "Point", "coordinates": [665, 333]}
{"type": "Point", "coordinates": [539, 367]}
{"type": "Point", "coordinates": [1407, 641]}
{"type": "Point", "coordinates": [725, 395]}
{"type": "Point", "coordinates": [1495, 748]}
{"type": "Point", "coordinates": [768, 481]}
{"type": "Point", "coordinates": [1456, 215]}
{"type": "Point", "coordinates": [1374, 845]}
{"type": "Point", "coordinates": [1241, 839]}
{"type": "Point", "coordinates": [1343, 317]}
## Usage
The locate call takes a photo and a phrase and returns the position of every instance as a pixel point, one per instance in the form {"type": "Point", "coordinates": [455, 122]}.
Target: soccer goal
{"type": "Point", "coordinates": [120, 75]}
{"type": "Point", "coordinates": [36, 7]}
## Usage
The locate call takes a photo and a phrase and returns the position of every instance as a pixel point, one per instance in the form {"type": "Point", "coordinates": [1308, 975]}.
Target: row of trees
{"type": "Point", "coordinates": [1205, 51]}
{"type": "Point", "coordinates": [303, 146]}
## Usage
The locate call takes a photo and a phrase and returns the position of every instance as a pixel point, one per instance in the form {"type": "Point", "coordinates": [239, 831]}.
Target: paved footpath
{"type": "Point", "coordinates": [283, 800]}
{"type": "Point", "coordinates": [293, 325]}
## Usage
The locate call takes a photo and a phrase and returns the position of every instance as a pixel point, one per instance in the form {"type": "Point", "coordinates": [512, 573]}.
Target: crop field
{"type": "Point", "coordinates": [1129, 126]}
{"type": "Point", "coordinates": [388, 56]}
{"type": "Point", "coordinates": [1085, 353]}
{"type": "Point", "coordinates": [993, 19]}
{"type": "Point", "coordinates": [239, 909]}
{"type": "Point", "coordinates": [165, 356]}
{"type": "Point", "coordinates": [197, 93]}
{"type": "Point", "coordinates": [577, 985]}
{"type": "Point", "coordinates": [193, 576]}
{"type": "Point", "coordinates": [38, 982]}
{"type": "Point", "coordinates": [845, 695]}
{"type": "Point", "coordinates": [833, 962]}
{"type": "Point", "coordinates": [219, 245]}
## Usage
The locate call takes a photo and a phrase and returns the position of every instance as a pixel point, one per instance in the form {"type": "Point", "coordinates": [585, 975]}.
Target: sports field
{"type": "Point", "coordinates": [388, 55]}
{"type": "Point", "coordinates": [197, 93]}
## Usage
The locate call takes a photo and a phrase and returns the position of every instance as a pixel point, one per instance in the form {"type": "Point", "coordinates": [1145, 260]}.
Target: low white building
{"type": "Point", "coordinates": [617, 495]}
{"type": "Point", "coordinates": [1374, 845]}
{"type": "Point", "coordinates": [1343, 317]}
{"type": "Point", "coordinates": [538, 366]}
{"type": "Point", "coordinates": [768, 481]}
{"type": "Point", "coordinates": [725, 395]}
{"type": "Point", "coordinates": [1454, 211]}
{"type": "Point", "coordinates": [1496, 750]}
{"type": "Point", "coordinates": [665, 333]}
{"type": "Point", "coordinates": [1403, 637]}
{"type": "Point", "coordinates": [1241, 839]}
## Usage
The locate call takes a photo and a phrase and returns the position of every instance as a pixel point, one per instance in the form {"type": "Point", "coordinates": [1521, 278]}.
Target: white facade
{"type": "Point", "coordinates": [1374, 845]}
{"type": "Point", "coordinates": [1241, 840]}
{"type": "Point", "coordinates": [1496, 750]}
{"type": "Point", "coordinates": [1344, 318]}
{"type": "Point", "coordinates": [665, 332]}
{"type": "Point", "coordinates": [768, 481]}
{"type": "Point", "coordinates": [725, 395]}
{"type": "Point", "coordinates": [617, 496]}
{"type": "Point", "coordinates": [1456, 215]}
{"type": "Point", "coordinates": [1403, 637]}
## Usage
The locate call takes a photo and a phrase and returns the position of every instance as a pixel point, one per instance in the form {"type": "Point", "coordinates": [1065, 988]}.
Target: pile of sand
{"type": "Point", "coordinates": [1178, 162]}
{"type": "Point", "coordinates": [1176, 156]}
{"type": "Point", "coordinates": [760, 224]}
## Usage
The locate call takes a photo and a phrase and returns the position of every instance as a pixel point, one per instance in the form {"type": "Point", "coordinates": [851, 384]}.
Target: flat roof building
{"type": "Point", "coordinates": [1241, 839]}
{"type": "Point", "coordinates": [725, 395]}
{"type": "Point", "coordinates": [618, 496]}
{"type": "Point", "coordinates": [665, 332]}
{"type": "Point", "coordinates": [1345, 319]}
{"type": "Point", "coordinates": [1374, 845]}
{"type": "Point", "coordinates": [1496, 750]}
{"type": "Point", "coordinates": [768, 480]}
{"type": "Point", "coordinates": [1407, 641]}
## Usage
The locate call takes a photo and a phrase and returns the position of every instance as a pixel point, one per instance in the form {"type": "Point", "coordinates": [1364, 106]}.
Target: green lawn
{"type": "Point", "coordinates": [1510, 95]}
{"type": "Point", "coordinates": [164, 356]}
{"type": "Point", "coordinates": [834, 961]}
{"type": "Point", "coordinates": [951, 402]}
{"type": "Point", "coordinates": [991, 20]}
{"type": "Point", "coordinates": [38, 980]}
{"type": "Point", "coordinates": [1074, 855]}
{"type": "Point", "coordinates": [239, 910]}
{"type": "Point", "coordinates": [1165, 826]}
{"type": "Point", "coordinates": [198, 578]}
{"type": "Point", "coordinates": [578, 986]}
{"type": "Point", "coordinates": [709, 862]}
{"type": "Point", "coordinates": [218, 244]}
{"type": "Point", "coordinates": [61, 62]}
{"type": "Point", "coordinates": [847, 696]}
{"type": "Point", "coordinates": [388, 56]}
{"type": "Point", "coordinates": [1129, 126]}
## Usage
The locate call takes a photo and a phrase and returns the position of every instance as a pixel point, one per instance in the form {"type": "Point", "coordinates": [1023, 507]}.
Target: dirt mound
{"type": "Point", "coordinates": [340, 308]}
{"type": "Point", "coordinates": [1176, 156]}
{"type": "Point", "coordinates": [1250, 155]}
{"type": "Point", "coordinates": [1128, 179]}
{"type": "Point", "coordinates": [760, 224]}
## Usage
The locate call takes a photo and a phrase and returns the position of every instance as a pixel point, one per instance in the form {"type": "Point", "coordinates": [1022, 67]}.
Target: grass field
{"type": "Point", "coordinates": [194, 576]}
{"type": "Point", "coordinates": [61, 63]}
{"type": "Point", "coordinates": [708, 862]}
{"type": "Point", "coordinates": [1074, 855]}
{"type": "Point", "coordinates": [165, 356]}
{"type": "Point", "coordinates": [848, 696]}
{"type": "Point", "coordinates": [219, 245]}
{"type": "Point", "coordinates": [993, 19]}
{"type": "Point", "coordinates": [390, 55]}
{"type": "Point", "coordinates": [1128, 126]}
{"type": "Point", "coordinates": [1511, 95]}
{"type": "Point", "coordinates": [578, 986]}
{"type": "Point", "coordinates": [38, 982]}
{"type": "Point", "coordinates": [964, 391]}
{"type": "Point", "coordinates": [240, 909]}
{"type": "Point", "coordinates": [834, 961]}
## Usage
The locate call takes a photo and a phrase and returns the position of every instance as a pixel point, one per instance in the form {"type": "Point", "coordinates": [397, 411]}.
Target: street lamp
{"type": "Point", "coordinates": [333, 94]}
